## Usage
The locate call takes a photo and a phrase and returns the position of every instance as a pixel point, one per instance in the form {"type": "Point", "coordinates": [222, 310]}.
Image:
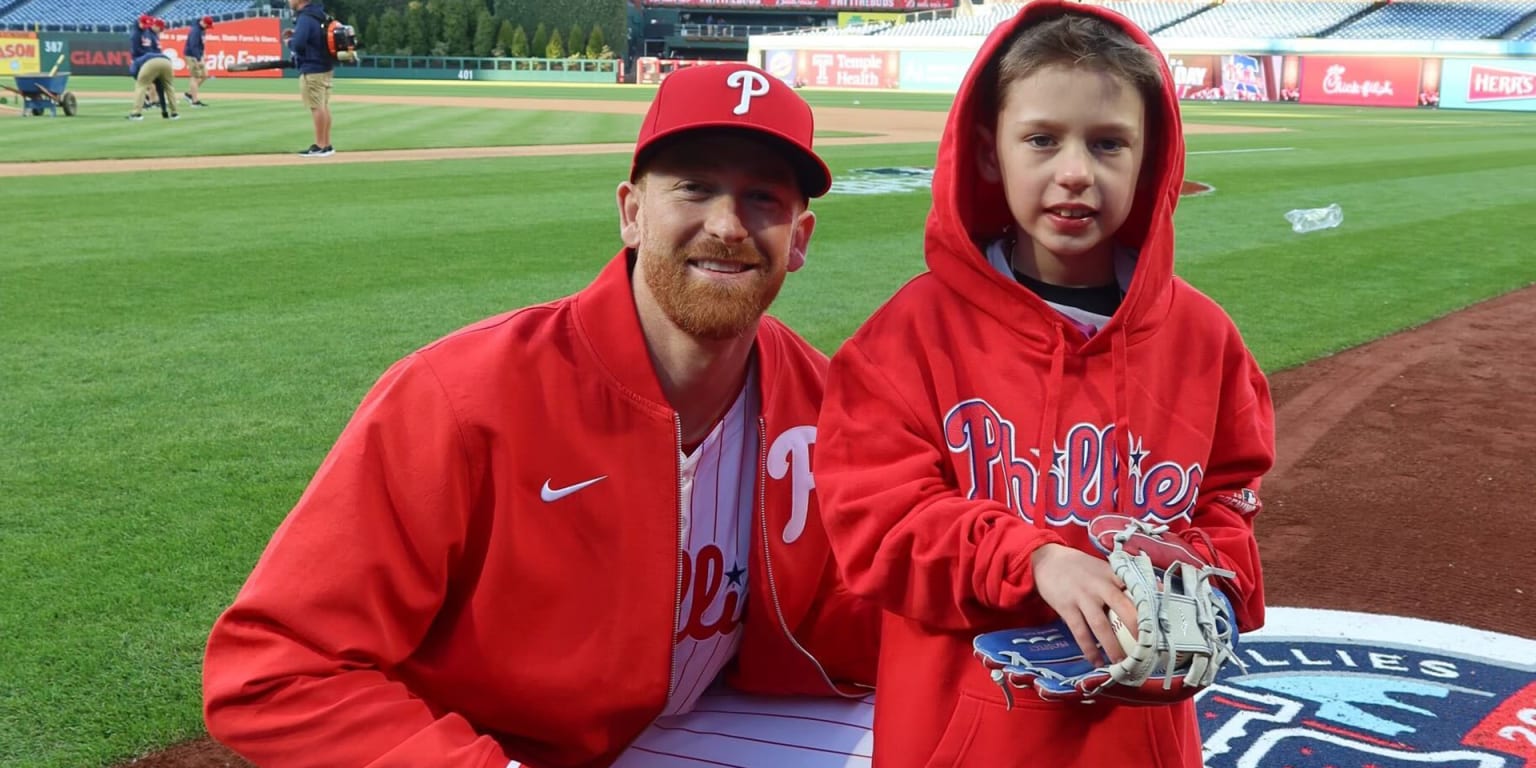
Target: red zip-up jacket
{"type": "Point", "coordinates": [966, 424]}
{"type": "Point", "coordinates": [423, 606]}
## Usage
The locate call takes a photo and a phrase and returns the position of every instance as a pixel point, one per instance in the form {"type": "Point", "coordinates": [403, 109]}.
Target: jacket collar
{"type": "Point", "coordinates": [608, 321]}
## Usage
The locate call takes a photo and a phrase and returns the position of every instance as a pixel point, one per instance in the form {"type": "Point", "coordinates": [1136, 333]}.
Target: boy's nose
{"type": "Point", "coordinates": [1073, 170]}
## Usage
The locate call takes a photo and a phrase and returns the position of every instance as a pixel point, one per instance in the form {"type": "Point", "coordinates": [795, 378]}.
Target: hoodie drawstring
{"type": "Point", "coordinates": [1044, 439]}
{"type": "Point", "coordinates": [1124, 485]}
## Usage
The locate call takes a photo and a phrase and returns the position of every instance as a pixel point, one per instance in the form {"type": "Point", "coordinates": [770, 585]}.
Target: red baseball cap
{"type": "Point", "coordinates": [146, 21]}
{"type": "Point", "coordinates": [207, 22]}
{"type": "Point", "coordinates": [733, 96]}
{"type": "Point", "coordinates": [160, 23]}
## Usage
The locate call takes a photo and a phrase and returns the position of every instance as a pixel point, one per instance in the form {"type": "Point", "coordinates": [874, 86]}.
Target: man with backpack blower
{"type": "Point", "coordinates": [314, 59]}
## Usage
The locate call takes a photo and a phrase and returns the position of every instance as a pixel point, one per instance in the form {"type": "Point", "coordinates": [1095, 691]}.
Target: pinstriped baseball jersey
{"type": "Point", "coordinates": [718, 484]}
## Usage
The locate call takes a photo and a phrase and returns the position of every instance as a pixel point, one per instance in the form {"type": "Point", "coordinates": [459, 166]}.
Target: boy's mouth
{"type": "Point", "coordinates": [1071, 211]}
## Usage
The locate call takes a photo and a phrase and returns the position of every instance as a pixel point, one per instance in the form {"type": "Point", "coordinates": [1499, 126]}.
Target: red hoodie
{"type": "Point", "coordinates": [421, 606]}
{"type": "Point", "coordinates": [928, 458]}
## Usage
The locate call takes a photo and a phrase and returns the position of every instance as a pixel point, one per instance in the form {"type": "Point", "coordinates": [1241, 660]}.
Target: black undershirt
{"type": "Point", "coordinates": [1099, 299]}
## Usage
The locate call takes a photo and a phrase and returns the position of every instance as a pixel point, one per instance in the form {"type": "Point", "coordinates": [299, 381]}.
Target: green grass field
{"type": "Point", "coordinates": [180, 348]}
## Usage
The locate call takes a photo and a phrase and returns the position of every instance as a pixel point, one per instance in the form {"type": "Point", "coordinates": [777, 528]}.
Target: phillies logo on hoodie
{"type": "Point", "coordinates": [1086, 469]}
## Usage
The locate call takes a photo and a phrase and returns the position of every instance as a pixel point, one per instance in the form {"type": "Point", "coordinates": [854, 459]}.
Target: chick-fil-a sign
{"type": "Point", "coordinates": [1360, 81]}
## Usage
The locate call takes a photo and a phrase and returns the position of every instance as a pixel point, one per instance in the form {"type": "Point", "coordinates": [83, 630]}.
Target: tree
{"type": "Point", "coordinates": [576, 41]}
{"type": "Point", "coordinates": [390, 33]}
{"type": "Point", "coordinates": [519, 47]}
{"type": "Point", "coordinates": [418, 40]}
{"type": "Point", "coordinates": [456, 20]}
{"type": "Point", "coordinates": [556, 49]}
{"type": "Point", "coordinates": [485, 33]}
{"type": "Point", "coordinates": [540, 41]}
{"type": "Point", "coordinates": [504, 37]}
{"type": "Point", "coordinates": [595, 43]}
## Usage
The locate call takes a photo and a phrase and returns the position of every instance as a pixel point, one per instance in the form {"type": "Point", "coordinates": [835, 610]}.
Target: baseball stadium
{"type": "Point", "coordinates": [192, 309]}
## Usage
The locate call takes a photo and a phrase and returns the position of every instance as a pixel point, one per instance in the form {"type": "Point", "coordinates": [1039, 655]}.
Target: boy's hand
{"type": "Point", "coordinates": [1079, 587]}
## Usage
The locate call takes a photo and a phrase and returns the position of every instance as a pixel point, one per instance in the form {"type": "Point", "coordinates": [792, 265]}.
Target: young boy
{"type": "Point", "coordinates": [1047, 369]}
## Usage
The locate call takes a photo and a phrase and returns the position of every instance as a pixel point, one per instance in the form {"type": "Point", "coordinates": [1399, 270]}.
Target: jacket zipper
{"type": "Point", "coordinates": [677, 593]}
{"type": "Point", "coordinates": [773, 588]}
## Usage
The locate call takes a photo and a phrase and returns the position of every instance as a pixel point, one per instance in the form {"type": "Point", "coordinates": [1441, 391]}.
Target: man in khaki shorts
{"type": "Point", "coordinates": [197, 72]}
{"type": "Point", "coordinates": [313, 58]}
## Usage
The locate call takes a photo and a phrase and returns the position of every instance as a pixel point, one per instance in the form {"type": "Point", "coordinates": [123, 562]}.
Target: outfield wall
{"type": "Point", "coordinates": [257, 39]}
{"type": "Point", "coordinates": [1463, 74]}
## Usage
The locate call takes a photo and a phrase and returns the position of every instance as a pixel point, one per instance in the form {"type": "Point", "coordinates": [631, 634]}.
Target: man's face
{"type": "Point", "coordinates": [716, 220]}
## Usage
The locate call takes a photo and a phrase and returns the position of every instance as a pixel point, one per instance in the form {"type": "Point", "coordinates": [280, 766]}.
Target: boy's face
{"type": "Point", "coordinates": [1067, 149]}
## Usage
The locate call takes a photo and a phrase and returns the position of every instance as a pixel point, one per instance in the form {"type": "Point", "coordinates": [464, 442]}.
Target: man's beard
{"type": "Point", "coordinates": [704, 308]}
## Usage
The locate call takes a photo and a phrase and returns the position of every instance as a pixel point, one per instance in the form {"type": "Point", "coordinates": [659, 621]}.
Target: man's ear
{"type": "Point", "coordinates": [805, 224]}
{"type": "Point", "coordinates": [628, 195]}
{"type": "Point", "coordinates": [986, 155]}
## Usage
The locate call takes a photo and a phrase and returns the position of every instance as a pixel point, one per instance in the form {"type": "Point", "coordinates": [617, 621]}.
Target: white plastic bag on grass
{"type": "Point", "coordinates": [1313, 219]}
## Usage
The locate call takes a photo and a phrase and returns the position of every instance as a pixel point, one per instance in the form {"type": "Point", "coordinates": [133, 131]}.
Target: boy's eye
{"type": "Point", "coordinates": [1039, 140]}
{"type": "Point", "coordinates": [1110, 145]}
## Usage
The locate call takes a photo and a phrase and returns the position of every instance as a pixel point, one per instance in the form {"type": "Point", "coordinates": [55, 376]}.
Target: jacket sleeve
{"type": "Point", "coordinates": [297, 671]}
{"type": "Point", "coordinates": [1242, 451]}
{"type": "Point", "coordinates": [136, 45]}
{"type": "Point", "coordinates": [902, 532]}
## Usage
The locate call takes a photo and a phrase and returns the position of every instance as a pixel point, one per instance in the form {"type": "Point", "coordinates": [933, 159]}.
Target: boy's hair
{"type": "Point", "coordinates": [1079, 41]}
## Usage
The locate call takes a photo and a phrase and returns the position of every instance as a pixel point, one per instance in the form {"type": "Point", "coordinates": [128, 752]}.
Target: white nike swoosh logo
{"type": "Point", "coordinates": [549, 494]}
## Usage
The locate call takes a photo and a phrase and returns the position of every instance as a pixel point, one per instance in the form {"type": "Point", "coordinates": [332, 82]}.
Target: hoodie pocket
{"type": "Point", "coordinates": [985, 734]}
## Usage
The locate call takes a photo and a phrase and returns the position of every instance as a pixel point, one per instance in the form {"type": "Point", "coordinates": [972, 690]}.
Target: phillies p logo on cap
{"type": "Point", "coordinates": [739, 97]}
{"type": "Point", "coordinates": [751, 84]}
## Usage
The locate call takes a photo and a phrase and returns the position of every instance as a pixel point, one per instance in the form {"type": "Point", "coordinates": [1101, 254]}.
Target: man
{"type": "Point", "coordinates": [313, 58]}
{"type": "Point", "coordinates": [196, 71]}
{"type": "Point", "coordinates": [152, 72]}
{"type": "Point", "coordinates": [544, 531]}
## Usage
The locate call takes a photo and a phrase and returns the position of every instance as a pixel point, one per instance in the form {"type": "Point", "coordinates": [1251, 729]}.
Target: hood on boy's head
{"type": "Point", "coordinates": [968, 207]}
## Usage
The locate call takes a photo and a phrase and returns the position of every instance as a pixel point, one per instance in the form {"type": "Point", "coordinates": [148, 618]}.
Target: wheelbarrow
{"type": "Point", "coordinates": [44, 92]}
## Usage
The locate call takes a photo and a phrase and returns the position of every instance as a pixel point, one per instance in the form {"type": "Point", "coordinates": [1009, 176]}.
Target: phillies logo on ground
{"type": "Point", "coordinates": [1393, 695]}
{"type": "Point", "coordinates": [1085, 469]}
{"type": "Point", "coordinates": [1494, 84]}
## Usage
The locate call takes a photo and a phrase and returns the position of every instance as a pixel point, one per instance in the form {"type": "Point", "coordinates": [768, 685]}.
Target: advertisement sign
{"type": "Point", "coordinates": [19, 53]}
{"type": "Point", "coordinates": [781, 64]}
{"type": "Point", "coordinates": [92, 53]}
{"type": "Point", "coordinates": [1230, 77]}
{"type": "Point", "coordinates": [848, 18]}
{"type": "Point", "coordinates": [807, 5]}
{"type": "Point", "coordinates": [934, 70]}
{"type": "Point", "coordinates": [230, 42]}
{"type": "Point", "coordinates": [847, 69]}
{"type": "Point", "coordinates": [1488, 84]}
{"type": "Point", "coordinates": [1360, 81]}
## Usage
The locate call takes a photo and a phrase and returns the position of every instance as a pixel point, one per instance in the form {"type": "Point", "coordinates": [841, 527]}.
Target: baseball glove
{"type": "Point", "coordinates": [1184, 634]}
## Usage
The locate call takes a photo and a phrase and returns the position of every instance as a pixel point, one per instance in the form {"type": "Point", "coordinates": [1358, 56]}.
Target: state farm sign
{"type": "Point", "coordinates": [1360, 81]}
{"type": "Point", "coordinates": [1494, 84]}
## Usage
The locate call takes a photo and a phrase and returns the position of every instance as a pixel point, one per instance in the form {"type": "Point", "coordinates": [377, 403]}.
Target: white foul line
{"type": "Point", "coordinates": [1239, 151]}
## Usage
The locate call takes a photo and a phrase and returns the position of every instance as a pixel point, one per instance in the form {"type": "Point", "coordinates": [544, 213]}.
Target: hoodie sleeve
{"type": "Point", "coordinates": [1243, 450]}
{"type": "Point", "coordinates": [303, 28]}
{"type": "Point", "coordinates": [296, 671]}
{"type": "Point", "coordinates": [902, 533]}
